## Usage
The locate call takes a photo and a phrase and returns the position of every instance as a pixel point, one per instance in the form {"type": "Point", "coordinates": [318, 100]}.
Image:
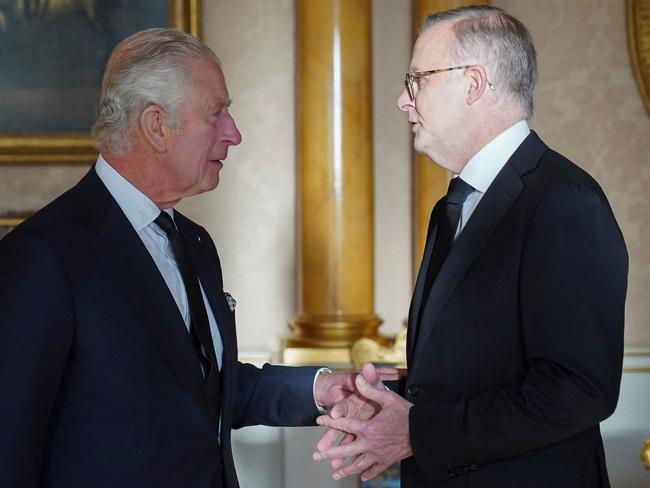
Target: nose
{"type": "Point", "coordinates": [404, 102]}
{"type": "Point", "coordinates": [231, 134]}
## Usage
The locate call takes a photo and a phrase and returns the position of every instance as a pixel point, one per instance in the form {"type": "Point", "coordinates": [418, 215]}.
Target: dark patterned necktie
{"type": "Point", "coordinates": [199, 323]}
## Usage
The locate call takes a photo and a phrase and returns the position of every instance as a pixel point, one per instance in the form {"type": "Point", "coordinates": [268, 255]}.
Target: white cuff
{"type": "Point", "coordinates": [321, 408]}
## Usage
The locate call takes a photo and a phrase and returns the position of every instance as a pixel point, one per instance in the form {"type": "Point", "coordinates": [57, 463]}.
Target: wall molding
{"type": "Point", "coordinates": [636, 360]}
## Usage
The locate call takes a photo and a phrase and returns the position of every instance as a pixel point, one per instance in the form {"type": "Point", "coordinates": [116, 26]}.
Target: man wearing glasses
{"type": "Point", "coordinates": [515, 332]}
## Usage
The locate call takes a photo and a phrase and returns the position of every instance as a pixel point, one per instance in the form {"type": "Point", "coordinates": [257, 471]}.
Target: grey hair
{"type": "Point", "coordinates": [500, 41]}
{"type": "Point", "coordinates": [147, 68]}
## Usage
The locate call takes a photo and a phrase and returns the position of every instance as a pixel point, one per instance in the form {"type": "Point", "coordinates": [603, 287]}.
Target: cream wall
{"type": "Point", "coordinates": [587, 107]}
{"type": "Point", "coordinates": [251, 215]}
{"type": "Point", "coordinates": [394, 279]}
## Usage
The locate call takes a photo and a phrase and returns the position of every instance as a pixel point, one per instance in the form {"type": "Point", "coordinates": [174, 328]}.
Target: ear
{"type": "Point", "coordinates": [153, 125]}
{"type": "Point", "coordinates": [478, 83]}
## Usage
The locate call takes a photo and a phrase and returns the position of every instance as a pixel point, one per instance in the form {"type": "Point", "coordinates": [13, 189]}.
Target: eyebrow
{"type": "Point", "coordinates": [221, 106]}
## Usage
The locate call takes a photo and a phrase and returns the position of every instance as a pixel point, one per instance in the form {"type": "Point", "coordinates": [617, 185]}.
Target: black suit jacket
{"type": "Point", "coordinates": [518, 354]}
{"type": "Point", "coordinates": [99, 384]}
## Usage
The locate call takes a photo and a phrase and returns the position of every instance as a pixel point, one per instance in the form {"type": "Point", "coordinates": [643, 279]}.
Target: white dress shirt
{"type": "Point", "coordinates": [142, 212]}
{"type": "Point", "coordinates": [482, 169]}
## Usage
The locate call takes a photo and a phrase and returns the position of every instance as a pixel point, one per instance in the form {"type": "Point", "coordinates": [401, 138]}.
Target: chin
{"type": "Point", "coordinates": [212, 183]}
{"type": "Point", "coordinates": [420, 145]}
{"type": "Point", "coordinates": [211, 178]}
{"type": "Point", "coordinates": [208, 186]}
{"type": "Point", "coordinates": [421, 149]}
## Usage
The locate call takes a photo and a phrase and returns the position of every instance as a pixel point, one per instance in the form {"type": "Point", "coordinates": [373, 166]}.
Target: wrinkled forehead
{"type": "Point", "coordinates": [431, 49]}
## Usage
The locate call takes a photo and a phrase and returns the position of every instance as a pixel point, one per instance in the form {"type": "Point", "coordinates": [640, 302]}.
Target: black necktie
{"type": "Point", "coordinates": [199, 325]}
{"type": "Point", "coordinates": [448, 219]}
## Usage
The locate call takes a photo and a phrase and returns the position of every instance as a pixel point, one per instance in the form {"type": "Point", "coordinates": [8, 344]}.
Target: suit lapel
{"type": "Point", "coordinates": [495, 204]}
{"type": "Point", "coordinates": [129, 265]}
{"type": "Point", "coordinates": [416, 301]}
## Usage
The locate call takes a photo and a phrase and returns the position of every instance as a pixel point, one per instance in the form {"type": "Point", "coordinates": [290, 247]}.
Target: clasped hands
{"type": "Point", "coordinates": [369, 425]}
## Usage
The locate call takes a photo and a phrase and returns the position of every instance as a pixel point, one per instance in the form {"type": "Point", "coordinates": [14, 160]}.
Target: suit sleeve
{"type": "Point", "coordinates": [573, 279]}
{"type": "Point", "coordinates": [36, 329]}
{"type": "Point", "coordinates": [274, 395]}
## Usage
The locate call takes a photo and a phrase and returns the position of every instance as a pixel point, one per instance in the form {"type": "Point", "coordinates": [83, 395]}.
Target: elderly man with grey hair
{"type": "Point", "coordinates": [118, 352]}
{"type": "Point", "coordinates": [515, 332]}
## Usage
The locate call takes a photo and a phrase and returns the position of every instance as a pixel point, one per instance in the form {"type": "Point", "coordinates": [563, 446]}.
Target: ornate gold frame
{"type": "Point", "coordinates": [8, 223]}
{"type": "Point", "coordinates": [638, 33]}
{"type": "Point", "coordinates": [78, 148]}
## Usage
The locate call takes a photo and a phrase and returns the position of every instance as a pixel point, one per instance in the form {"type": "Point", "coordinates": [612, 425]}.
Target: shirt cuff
{"type": "Point", "coordinates": [321, 408]}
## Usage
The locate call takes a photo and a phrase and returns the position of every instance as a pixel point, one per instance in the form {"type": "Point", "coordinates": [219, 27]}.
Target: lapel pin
{"type": "Point", "coordinates": [232, 303]}
{"type": "Point", "coordinates": [198, 238]}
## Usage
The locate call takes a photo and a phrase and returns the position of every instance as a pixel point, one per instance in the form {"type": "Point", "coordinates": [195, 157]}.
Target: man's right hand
{"type": "Point", "coordinates": [356, 406]}
{"type": "Point", "coordinates": [353, 406]}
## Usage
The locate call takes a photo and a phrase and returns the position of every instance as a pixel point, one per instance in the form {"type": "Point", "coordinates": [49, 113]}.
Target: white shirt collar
{"type": "Point", "coordinates": [137, 207]}
{"type": "Point", "coordinates": [484, 166]}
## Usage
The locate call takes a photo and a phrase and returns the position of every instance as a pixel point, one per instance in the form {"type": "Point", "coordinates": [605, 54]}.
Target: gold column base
{"type": "Point", "coordinates": [326, 339]}
{"type": "Point", "coordinates": [334, 357]}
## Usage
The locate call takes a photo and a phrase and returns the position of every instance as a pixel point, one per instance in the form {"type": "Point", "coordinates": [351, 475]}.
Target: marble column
{"type": "Point", "coordinates": [335, 161]}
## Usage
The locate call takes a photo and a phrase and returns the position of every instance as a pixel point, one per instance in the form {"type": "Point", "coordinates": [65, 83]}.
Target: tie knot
{"type": "Point", "coordinates": [166, 223]}
{"type": "Point", "coordinates": [458, 191]}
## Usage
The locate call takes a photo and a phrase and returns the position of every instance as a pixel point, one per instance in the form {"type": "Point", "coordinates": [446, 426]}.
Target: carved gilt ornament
{"type": "Point", "coordinates": [638, 31]}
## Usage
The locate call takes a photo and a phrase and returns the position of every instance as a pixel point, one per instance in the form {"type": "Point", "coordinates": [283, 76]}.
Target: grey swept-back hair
{"type": "Point", "coordinates": [500, 42]}
{"type": "Point", "coordinates": [147, 68]}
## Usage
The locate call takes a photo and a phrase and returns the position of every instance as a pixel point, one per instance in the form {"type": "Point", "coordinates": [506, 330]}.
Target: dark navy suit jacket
{"type": "Point", "coordinates": [99, 385]}
{"type": "Point", "coordinates": [518, 354]}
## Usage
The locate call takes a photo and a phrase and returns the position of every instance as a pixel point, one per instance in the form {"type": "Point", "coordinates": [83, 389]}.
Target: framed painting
{"type": "Point", "coordinates": [638, 34]}
{"type": "Point", "coordinates": [10, 220]}
{"type": "Point", "coordinates": [52, 57]}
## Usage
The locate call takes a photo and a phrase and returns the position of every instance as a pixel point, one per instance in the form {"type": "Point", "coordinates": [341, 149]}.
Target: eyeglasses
{"type": "Point", "coordinates": [410, 82]}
